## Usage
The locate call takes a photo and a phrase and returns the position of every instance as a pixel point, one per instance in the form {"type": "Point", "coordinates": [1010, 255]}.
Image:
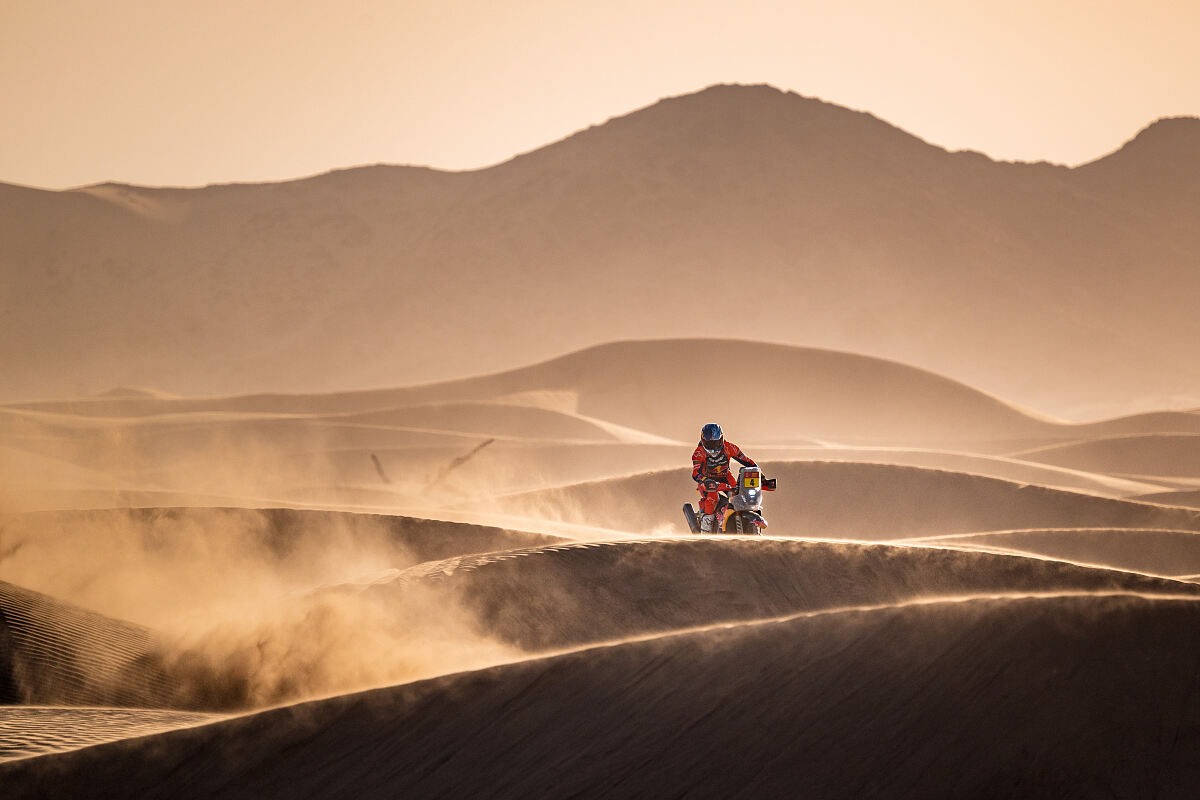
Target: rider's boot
{"type": "Point", "coordinates": [707, 521]}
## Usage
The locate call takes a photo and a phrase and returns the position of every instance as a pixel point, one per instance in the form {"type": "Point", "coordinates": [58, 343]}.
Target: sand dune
{"type": "Point", "coordinates": [470, 582]}
{"type": "Point", "coordinates": [223, 456]}
{"type": "Point", "coordinates": [1158, 552]}
{"type": "Point", "coordinates": [856, 501]}
{"type": "Point", "coordinates": [568, 595]}
{"type": "Point", "coordinates": [154, 565]}
{"type": "Point", "coordinates": [473, 606]}
{"type": "Point", "coordinates": [1162, 454]}
{"type": "Point", "coordinates": [33, 471]}
{"type": "Point", "coordinates": [333, 602]}
{"type": "Point", "coordinates": [53, 654]}
{"type": "Point", "coordinates": [37, 499]}
{"type": "Point", "coordinates": [485, 419]}
{"type": "Point", "coordinates": [813, 393]}
{"type": "Point", "coordinates": [228, 471]}
{"type": "Point", "coordinates": [229, 599]}
{"type": "Point", "coordinates": [1143, 424]}
{"type": "Point", "coordinates": [132, 391]}
{"type": "Point", "coordinates": [994, 466]}
{"type": "Point", "coordinates": [180, 438]}
{"type": "Point", "coordinates": [36, 730]}
{"type": "Point", "coordinates": [938, 699]}
{"type": "Point", "coordinates": [1186, 498]}
{"type": "Point", "coordinates": [547, 425]}
{"type": "Point", "coordinates": [384, 448]}
{"type": "Point", "coordinates": [517, 466]}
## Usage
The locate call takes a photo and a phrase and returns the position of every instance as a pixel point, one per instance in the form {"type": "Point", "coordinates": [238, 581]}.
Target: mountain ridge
{"type": "Point", "coordinates": [825, 227]}
{"type": "Point", "coordinates": [1152, 127]}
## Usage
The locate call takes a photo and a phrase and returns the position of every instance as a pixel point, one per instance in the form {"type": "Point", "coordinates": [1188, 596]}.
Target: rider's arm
{"type": "Point", "coordinates": [736, 452]}
{"type": "Point", "coordinates": [768, 484]}
{"type": "Point", "coordinates": [697, 464]}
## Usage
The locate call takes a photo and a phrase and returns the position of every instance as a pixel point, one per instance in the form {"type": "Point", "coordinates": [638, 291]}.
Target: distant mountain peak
{"type": "Point", "coordinates": [753, 96]}
{"type": "Point", "coordinates": [730, 123]}
{"type": "Point", "coordinates": [723, 88]}
{"type": "Point", "coordinates": [1170, 132]}
{"type": "Point", "coordinates": [1188, 124]}
{"type": "Point", "coordinates": [1169, 141]}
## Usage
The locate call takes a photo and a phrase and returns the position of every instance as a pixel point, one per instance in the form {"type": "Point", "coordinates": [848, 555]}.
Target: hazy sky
{"type": "Point", "coordinates": [164, 92]}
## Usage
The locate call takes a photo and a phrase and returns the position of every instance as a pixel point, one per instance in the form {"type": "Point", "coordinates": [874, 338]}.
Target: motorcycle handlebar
{"type": "Point", "coordinates": [768, 485]}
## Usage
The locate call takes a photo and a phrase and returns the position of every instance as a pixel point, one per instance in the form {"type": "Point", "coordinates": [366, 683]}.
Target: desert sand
{"type": "Point", "coordinates": [484, 587]}
{"type": "Point", "coordinates": [279, 517]}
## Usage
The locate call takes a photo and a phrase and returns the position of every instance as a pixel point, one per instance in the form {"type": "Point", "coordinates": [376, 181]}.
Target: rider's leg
{"type": "Point", "coordinates": [708, 508]}
{"type": "Point", "coordinates": [722, 510]}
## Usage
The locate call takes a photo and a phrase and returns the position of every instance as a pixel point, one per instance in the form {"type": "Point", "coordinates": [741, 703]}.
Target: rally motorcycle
{"type": "Point", "coordinates": [740, 512]}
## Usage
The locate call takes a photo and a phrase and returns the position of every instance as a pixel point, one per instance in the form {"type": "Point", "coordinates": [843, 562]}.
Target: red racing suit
{"type": "Point", "coordinates": [709, 466]}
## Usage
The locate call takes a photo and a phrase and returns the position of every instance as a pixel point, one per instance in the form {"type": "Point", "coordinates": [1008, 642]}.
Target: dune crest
{"type": "Point", "coordinates": [614, 590]}
{"type": "Point", "coordinates": [849, 500]}
{"type": "Point", "coordinates": [403, 513]}
{"type": "Point", "coordinates": [821, 686]}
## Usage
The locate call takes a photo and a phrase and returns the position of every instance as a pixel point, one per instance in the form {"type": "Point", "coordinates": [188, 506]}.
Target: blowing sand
{"type": "Point", "coordinates": [820, 705]}
{"type": "Point", "coordinates": [483, 588]}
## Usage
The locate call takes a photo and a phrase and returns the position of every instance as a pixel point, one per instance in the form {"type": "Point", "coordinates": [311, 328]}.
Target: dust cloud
{"type": "Point", "coordinates": [327, 643]}
{"type": "Point", "coordinates": [250, 607]}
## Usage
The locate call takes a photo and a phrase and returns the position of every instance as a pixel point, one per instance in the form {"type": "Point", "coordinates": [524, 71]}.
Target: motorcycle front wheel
{"type": "Point", "coordinates": [741, 525]}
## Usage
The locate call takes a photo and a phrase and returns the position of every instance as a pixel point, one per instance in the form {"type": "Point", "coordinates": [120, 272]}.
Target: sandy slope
{"type": "Point", "coordinates": [261, 458]}
{"type": "Point", "coordinates": [944, 681]}
{"type": "Point", "coordinates": [152, 565]}
{"type": "Point", "coordinates": [238, 604]}
{"type": "Point", "coordinates": [36, 730]}
{"type": "Point", "coordinates": [1062, 696]}
{"type": "Point", "coordinates": [986, 608]}
{"type": "Point", "coordinates": [1186, 498]}
{"type": "Point", "coordinates": [994, 466]}
{"type": "Point", "coordinates": [814, 393]}
{"type": "Point", "coordinates": [572, 594]}
{"type": "Point", "coordinates": [562, 421]}
{"type": "Point", "coordinates": [1157, 552]}
{"type": "Point", "coordinates": [52, 653]}
{"type": "Point", "coordinates": [857, 501]}
{"type": "Point", "coordinates": [290, 636]}
{"type": "Point", "coordinates": [1164, 454]}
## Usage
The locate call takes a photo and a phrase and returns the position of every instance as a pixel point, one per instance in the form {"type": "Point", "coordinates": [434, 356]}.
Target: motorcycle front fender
{"type": "Point", "coordinates": [753, 517]}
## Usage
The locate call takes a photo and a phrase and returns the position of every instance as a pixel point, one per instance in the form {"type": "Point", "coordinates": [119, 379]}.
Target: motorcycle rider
{"type": "Point", "coordinates": [710, 471]}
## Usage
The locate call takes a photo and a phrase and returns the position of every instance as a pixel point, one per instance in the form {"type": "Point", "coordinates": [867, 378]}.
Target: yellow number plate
{"type": "Point", "coordinates": [751, 482]}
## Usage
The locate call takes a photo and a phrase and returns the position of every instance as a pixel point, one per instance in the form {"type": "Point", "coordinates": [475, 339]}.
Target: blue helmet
{"type": "Point", "coordinates": [712, 438]}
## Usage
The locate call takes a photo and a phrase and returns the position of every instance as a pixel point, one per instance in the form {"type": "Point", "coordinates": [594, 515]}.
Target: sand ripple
{"type": "Point", "coordinates": [35, 730]}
